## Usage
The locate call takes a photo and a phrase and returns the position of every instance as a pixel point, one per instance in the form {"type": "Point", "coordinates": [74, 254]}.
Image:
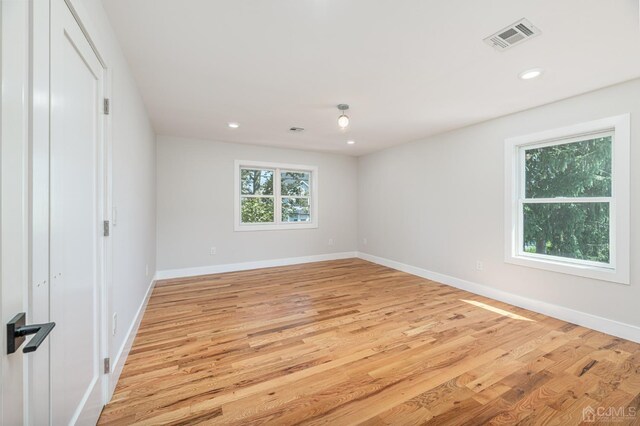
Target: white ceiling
{"type": "Point", "coordinates": [408, 68]}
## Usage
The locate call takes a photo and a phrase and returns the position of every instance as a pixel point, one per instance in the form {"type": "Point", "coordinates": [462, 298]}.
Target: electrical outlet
{"type": "Point", "coordinates": [364, 241]}
{"type": "Point", "coordinates": [146, 270]}
{"type": "Point", "coordinates": [330, 241]}
{"type": "Point", "coordinates": [479, 265]}
{"type": "Point", "coordinates": [114, 323]}
{"type": "Point", "coordinates": [213, 251]}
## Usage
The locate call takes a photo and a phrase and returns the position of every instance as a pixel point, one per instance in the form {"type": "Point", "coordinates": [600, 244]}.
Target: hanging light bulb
{"type": "Point", "coordinates": [343, 120]}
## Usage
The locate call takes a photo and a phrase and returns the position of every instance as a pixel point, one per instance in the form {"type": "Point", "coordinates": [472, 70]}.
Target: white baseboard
{"type": "Point", "coordinates": [605, 325]}
{"type": "Point", "coordinates": [118, 362]}
{"type": "Point", "coordinates": [244, 266]}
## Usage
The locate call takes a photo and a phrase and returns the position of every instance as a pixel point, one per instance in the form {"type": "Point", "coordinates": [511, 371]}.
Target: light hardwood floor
{"type": "Point", "coordinates": [347, 342]}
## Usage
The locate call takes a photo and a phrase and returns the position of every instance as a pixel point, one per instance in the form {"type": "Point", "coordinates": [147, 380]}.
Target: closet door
{"type": "Point", "coordinates": [76, 237]}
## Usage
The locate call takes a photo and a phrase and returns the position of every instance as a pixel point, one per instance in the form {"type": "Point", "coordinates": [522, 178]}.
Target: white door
{"type": "Point", "coordinates": [14, 72]}
{"type": "Point", "coordinates": [76, 213]}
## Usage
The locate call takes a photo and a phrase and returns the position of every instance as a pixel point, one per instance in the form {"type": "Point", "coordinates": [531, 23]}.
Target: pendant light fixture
{"type": "Point", "coordinates": [343, 119]}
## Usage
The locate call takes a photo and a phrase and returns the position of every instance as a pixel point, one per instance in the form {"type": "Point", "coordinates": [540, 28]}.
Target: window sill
{"type": "Point", "coordinates": [274, 227]}
{"type": "Point", "coordinates": [587, 271]}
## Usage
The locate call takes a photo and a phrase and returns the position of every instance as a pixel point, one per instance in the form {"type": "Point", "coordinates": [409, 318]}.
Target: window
{"type": "Point", "coordinates": [567, 201]}
{"type": "Point", "coordinates": [275, 196]}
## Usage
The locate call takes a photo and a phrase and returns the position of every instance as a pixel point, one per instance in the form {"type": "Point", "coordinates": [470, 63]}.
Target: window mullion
{"type": "Point", "coordinates": [522, 193]}
{"type": "Point", "coordinates": [256, 196]}
{"type": "Point", "coordinates": [567, 200]}
{"type": "Point", "coordinates": [310, 194]}
{"type": "Point", "coordinates": [522, 168]}
{"type": "Point", "coordinates": [278, 201]}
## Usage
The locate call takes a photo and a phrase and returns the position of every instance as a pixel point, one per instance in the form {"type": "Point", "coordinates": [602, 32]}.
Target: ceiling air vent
{"type": "Point", "coordinates": [514, 34]}
{"type": "Point", "coordinates": [297, 129]}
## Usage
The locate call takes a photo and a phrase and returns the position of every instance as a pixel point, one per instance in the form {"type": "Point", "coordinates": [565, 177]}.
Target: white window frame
{"type": "Point", "coordinates": [619, 211]}
{"type": "Point", "coordinates": [278, 224]}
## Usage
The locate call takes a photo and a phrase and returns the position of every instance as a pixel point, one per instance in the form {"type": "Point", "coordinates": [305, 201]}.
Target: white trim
{"type": "Point", "coordinates": [39, 372]}
{"type": "Point", "coordinates": [578, 263]}
{"type": "Point", "coordinates": [618, 270]}
{"type": "Point", "coordinates": [605, 325]}
{"type": "Point", "coordinates": [277, 224]}
{"type": "Point", "coordinates": [567, 200]}
{"type": "Point", "coordinates": [117, 364]}
{"type": "Point", "coordinates": [244, 266]}
{"type": "Point", "coordinates": [107, 214]}
{"type": "Point", "coordinates": [89, 28]}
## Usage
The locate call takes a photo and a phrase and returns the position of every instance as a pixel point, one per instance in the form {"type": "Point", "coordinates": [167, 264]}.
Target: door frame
{"type": "Point", "coordinates": [38, 299]}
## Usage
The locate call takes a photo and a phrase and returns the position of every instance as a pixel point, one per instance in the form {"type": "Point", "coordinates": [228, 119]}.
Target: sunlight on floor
{"type": "Point", "coordinates": [497, 310]}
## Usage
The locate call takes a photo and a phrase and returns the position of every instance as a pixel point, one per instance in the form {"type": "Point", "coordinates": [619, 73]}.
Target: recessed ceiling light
{"type": "Point", "coordinates": [233, 125]}
{"type": "Point", "coordinates": [532, 73]}
{"type": "Point", "coordinates": [351, 142]}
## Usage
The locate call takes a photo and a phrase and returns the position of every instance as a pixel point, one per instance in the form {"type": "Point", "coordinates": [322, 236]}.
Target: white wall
{"type": "Point", "coordinates": [134, 185]}
{"type": "Point", "coordinates": [196, 199]}
{"type": "Point", "coordinates": [438, 204]}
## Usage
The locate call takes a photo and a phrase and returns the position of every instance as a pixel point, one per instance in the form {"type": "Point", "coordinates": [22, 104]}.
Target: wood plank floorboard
{"type": "Point", "coordinates": [351, 342]}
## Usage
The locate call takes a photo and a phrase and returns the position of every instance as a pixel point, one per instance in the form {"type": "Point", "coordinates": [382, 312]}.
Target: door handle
{"type": "Point", "coordinates": [17, 330]}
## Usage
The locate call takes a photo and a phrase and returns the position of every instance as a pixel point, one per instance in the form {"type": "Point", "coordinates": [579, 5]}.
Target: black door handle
{"type": "Point", "coordinates": [16, 330]}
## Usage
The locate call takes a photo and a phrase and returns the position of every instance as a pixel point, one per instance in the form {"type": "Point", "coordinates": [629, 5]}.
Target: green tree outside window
{"type": "Point", "coordinates": [578, 230]}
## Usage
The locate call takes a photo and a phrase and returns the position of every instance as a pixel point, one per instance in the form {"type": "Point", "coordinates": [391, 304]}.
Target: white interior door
{"type": "Point", "coordinates": [76, 214]}
{"type": "Point", "coordinates": [14, 119]}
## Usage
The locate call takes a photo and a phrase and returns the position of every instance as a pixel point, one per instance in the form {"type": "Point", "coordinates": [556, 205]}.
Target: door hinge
{"type": "Point", "coordinates": [107, 365]}
{"type": "Point", "coordinates": [106, 106]}
{"type": "Point", "coordinates": [105, 225]}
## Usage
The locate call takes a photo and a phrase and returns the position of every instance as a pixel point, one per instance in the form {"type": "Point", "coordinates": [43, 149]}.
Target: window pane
{"type": "Point", "coordinates": [578, 169]}
{"type": "Point", "coordinates": [257, 210]}
{"type": "Point", "coordinates": [256, 182]}
{"type": "Point", "coordinates": [572, 230]}
{"type": "Point", "coordinates": [295, 183]}
{"type": "Point", "coordinates": [295, 210]}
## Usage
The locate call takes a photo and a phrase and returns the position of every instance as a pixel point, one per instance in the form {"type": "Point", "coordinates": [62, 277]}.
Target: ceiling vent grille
{"type": "Point", "coordinates": [297, 129]}
{"type": "Point", "coordinates": [512, 35]}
